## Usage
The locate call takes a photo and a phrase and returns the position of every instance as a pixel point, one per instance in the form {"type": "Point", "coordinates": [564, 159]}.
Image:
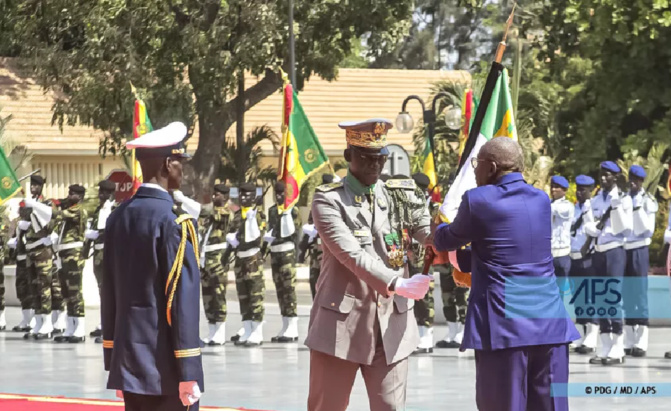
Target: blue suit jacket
{"type": "Point", "coordinates": [514, 299]}
{"type": "Point", "coordinates": [143, 353]}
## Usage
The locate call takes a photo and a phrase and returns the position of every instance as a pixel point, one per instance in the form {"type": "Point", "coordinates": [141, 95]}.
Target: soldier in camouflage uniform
{"type": "Point", "coordinates": [282, 235]}
{"type": "Point", "coordinates": [71, 227]}
{"type": "Point", "coordinates": [95, 238]}
{"type": "Point", "coordinates": [245, 235]}
{"type": "Point", "coordinates": [25, 289]}
{"type": "Point", "coordinates": [424, 308]}
{"type": "Point", "coordinates": [48, 297]}
{"type": "Point", "coordinates": [311, 245]}
{"type": "Point", "coordinates": [214, 262]}
{"type": "Point", "coordinates": [455, 301]}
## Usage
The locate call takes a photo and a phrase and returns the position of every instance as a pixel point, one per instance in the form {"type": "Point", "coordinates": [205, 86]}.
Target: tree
{"type": "Point", "coordinates": [240, 164]}
{"type": "Point", "coordinates": [186, 56]}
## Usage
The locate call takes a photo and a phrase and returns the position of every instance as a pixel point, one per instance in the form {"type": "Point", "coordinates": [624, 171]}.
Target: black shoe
{"type": "Point", "coordinates": [19, 329]}
{"type": "Point", "coordinates": [239, 343]}
{"type": "Point", "coordinates": [76, 340]}
{"type": "Point", "coordinates": [628, 351]}
{"type": "Point", "coordinates": [58, 331]}
{"type": "Point", "coordinates": [637, 352]}
{"type": "Point", "coordinates": [420, 351]}
{"type": "Point", "coordinates": [3, 327]}
{"type": "Point", "coordinates": [667, 355]}
{"type": "Point", "coordinates": [584, 350]}
{"type": "Point", "coordinates": [596, 360]}
{"type": "Point", "coordinates": [275, 339]}
{"type": "Point", "coordinates": [235, 338]}
{"type": "Point", "coordinates": [61, 339]}
{"type": "Point", "coordinates": [42, 336]}
{"type": "Point", "coordinates": [447, 344]}
{"type": "Point", "coordinates": [215, 344]}
{"type": "Point", "coordinates": [284, 339]}
{"type": "Point", "coordinates": [252, 344]}
{"type": "Point", "coordinates": [98, 340]}
{"type": "Point", "coordinates": [612, 361]}
{"type": "Point", "coordinates": [28, 335]}
{"type": "Point", "coordinates": [96, 333]}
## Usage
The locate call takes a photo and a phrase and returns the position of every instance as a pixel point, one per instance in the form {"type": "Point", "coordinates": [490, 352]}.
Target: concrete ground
{"type": "Point", "coordinates": [275, 377]}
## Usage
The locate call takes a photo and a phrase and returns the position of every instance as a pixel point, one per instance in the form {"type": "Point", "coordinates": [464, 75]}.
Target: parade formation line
{"type": "Point", "coordinates": [20, 402]}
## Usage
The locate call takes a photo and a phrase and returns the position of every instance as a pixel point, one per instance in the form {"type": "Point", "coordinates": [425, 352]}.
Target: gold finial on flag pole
{"type": "Point", "coordinates": [502, 45]}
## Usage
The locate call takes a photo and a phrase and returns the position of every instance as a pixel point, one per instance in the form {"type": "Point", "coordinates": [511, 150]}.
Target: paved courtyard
{"type": "Point", "coordinates": [275, 377]}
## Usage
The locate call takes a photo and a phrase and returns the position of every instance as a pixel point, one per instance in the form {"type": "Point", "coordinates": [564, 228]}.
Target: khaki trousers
{"type": "Point", "coordinates": [332, 378]}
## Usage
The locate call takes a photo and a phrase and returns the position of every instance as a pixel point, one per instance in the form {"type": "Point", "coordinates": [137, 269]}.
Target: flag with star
{"type": "Point", "coordinates": [301, 154]}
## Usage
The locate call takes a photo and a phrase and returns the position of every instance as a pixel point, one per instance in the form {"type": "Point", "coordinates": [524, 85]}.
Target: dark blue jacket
{"type": "Point", "coordinates": [143, 353]}
{"type": "Point", "coordinates": [514, 299]}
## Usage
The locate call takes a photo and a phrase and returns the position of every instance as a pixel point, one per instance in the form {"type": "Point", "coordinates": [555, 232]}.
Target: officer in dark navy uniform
{"type": "Point", "coordinates": [151, 299]}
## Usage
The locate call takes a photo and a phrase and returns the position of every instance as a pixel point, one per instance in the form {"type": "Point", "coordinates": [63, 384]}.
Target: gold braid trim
{"type": "Point", "coordinates": [193, 352]}
{"type": "Point", "coordinates": [108, 344]}
{"type": "Point", "coordinates": [188, 229]}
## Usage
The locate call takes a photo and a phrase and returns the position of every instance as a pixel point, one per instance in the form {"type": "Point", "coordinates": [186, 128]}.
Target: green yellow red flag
{"type": "Point", "coordinates": [9, 184]}
{"type": "Point", "coordinates": [141, 125]}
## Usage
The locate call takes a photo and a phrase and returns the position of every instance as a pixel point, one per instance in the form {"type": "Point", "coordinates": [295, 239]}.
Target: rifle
{"type": "Point", "coordinates": [587, 247]}
{"type": "Point", "coordinates": [575, 226]}
{"type": "Point", "coordinates": [29, 174]}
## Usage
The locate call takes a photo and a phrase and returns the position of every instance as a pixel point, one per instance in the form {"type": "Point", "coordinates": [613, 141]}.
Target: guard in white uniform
{"type": "Point", "coordinates": [635, 296]}
{"type": "Point", "coordinates": [581, 264]}
{"type": "Point", "coordinates": [562, 217]}
{"type": "Point", "coordinates": [612, 211]}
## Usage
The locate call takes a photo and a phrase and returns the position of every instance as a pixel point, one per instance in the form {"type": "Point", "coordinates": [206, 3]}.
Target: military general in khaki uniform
{"type": "Point", "coordinates": [362, 316]}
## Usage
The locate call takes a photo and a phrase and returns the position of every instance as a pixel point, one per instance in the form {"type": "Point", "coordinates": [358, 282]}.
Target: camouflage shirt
{"type": "Point", "coordinates": [274, 223]}
{"type": "Point", "coordinates": [94, 223]}
{"type": "Point", "coordinates": [32, 234]}
{"type": "Point", "coordinates": [217, 223]}
{"type": "Point", "coordinates": [238, 225]}
{"type": "Point", "coordinates": [71, 224]}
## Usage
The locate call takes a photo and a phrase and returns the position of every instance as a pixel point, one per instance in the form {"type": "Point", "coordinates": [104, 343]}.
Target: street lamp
{"type": "Point", "coordinates": [405, 123]}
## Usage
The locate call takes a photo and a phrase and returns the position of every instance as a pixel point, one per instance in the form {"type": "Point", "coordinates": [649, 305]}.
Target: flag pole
{"type": "Point", "coordinates": [502, 45]}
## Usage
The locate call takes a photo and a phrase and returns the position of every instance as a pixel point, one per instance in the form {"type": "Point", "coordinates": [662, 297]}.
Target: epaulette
{"type": "Point", "coordinates": [330, 186]}
{"type": "Point", "coordinates": [405, 184]}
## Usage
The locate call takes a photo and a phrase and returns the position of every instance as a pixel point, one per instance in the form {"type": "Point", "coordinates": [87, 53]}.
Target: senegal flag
{"type": "Point", "coordinates": [301, 153]}
{"type": "Point", "coordinates": [9, 185]}
{"type": "Point", "coordinates": [141, 125]}
{"type": "Point", "coordinates": [493, 118]}
{"type": "Point", "coordinates": [429, 168]}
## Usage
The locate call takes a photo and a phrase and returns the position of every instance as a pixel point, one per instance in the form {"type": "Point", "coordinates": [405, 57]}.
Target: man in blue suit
{"type": "Point", "coordinates": [516, 321]}
{"type": "Point", "coordinates": [151, 299]}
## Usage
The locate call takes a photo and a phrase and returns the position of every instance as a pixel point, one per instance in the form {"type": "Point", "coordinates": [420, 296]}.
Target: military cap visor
{"type": "Point", "coordinates": [383, 151]}
{"type": "Point", "coordinates": [611, 166]}
{"type": "Point", "coordinates": [560, 181]}
{"type": "Point", "coordinates": [637, 171]}
{"type": "Point", "coordinates": [368, 133]}
{"type": "Point", "coordinates": [164, 142]}
{"type": "Point", "coordinates": [584, 181]}
{"type": "Point", "coordinates": [222, 188]}
{"type": "Point", "coordinates": [107, 185]}
{"type": "Point", "coordinates": [77, 189]}
{"type": "Point", "coordinates": [37, 180]}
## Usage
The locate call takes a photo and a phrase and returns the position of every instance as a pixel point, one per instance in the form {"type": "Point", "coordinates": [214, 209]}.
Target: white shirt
{"type": "Point", "coordinates": [562, 217]}
{"type": "Point", "coordinates": [620, 223]}
{"type": "Point", "coordinates": [643, 224]}
{"type": "Point", "coordinates": [583, 210]}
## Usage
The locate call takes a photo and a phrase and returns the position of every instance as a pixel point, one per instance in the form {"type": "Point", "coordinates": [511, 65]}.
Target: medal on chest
{"type": "Point", "coordinates": [395, 252]}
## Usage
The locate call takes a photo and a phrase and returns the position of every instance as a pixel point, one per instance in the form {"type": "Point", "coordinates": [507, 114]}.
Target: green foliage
{"type": "Point", "coordinates": [657, 249]}
{"type": "Point", "coordinates": [243, 163]}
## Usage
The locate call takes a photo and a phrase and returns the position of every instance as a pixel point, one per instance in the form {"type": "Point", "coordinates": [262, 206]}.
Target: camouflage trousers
{"type": "Point", "coordinates": [213, 280]}
{"type": "Point", "coordinates": [425, 311]}
{"type": "Point", "coordinates": [70, 276]}
{"type": "Point", "coordinates": [26, 289]}
{"type": "Point", "coordinates": [98, 268]}
{"type": "Point", "coordinates": [455, 299]}
{"type": "Point", "coordinates": [251, 287]}
{"type": "Point", "coordinates": [315, 270]}
{"type": "Point", "coordinates": [44, 280]}
{"type": "Point", "coordinates": [284, 277]}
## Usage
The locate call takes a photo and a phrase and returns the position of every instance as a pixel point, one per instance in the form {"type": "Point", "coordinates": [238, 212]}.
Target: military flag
{"type": "Point", "coordinates": [9, 185]}
{"type": "Point", "coordinates": [301, 154]}
{"type": "Point", "coordinates": [429, 168]}
{"type": "Point", "coordinates": [141, 125]}
{"type": "Point", "coordinates": [493, 118]}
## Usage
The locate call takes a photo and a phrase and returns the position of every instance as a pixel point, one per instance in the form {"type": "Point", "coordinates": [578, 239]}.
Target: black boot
{"type": "Point", "coordinates": [637, 352]}
{"type": "Point", "coordinates": [584, 350]}
{"type": "Point", "coordinates": [612, 361]}
{"type": "Point", "coordinates": [96, 333]}
{"type": "Point", "coordinates": [61, 339]}
{"type": "Point", "coordinates": [76, 340]}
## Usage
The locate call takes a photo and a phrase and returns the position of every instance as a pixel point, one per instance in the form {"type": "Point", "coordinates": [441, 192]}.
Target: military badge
{"type": "Point", "coordinates": [395, 251]}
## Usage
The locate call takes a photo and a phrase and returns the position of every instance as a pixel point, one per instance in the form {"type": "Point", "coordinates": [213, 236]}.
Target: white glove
{"type": "Point", "coordinates": [310, 230]}
{"type": "Point", "coordinates": [91, 234]}
{"type": "Point", "coordinates": [414, 287]}
{"type": "Point", "coordinates": [591, 230]}
{"type": "Point", "coordinates": [268, 237]}
{"type": "Point", "coordinates": [53, 238]}
{"type": "Point", "coordinates": [178, 196]}
{"type": "Point", "coordinates": [232, 239]}
{"type": "Point", "coordinates": [189, 393]}
{"type": "Point", "coordinates": [11, 243]}
{"type": "Point", "coordinates": [615, 200]}
{"type": "Point", "coordinates": [24, 225]}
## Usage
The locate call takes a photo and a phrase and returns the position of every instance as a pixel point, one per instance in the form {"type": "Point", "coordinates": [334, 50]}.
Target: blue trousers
{"type": "Point", "coordinates": [582, 267]}
{"type": "Point", "coordinates": [519, 379]}
{"type": "Point", "coordinates": [635, 294]}
{"type": "Point", "coordinates": [140, 402]}
{"type": "Point", "coordinates": [611, 264]}
{"type": "Point", "coordinates": [562, 266]}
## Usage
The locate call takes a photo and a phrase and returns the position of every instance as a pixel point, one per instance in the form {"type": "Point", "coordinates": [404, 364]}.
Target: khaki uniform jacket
{"type": "Point", "coordinates": [352, 291]}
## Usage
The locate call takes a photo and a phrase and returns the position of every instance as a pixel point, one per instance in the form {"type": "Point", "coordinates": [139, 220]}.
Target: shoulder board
{"type": "Point", "coordinates": [331, 186]}
{"type": "Point", "coordinates": [181, 214]}
{"type": "Point", "coordinates": [406, 184]}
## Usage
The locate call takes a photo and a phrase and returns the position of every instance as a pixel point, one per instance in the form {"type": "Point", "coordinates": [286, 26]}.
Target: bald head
{"type": "Point", "coordinates": [497, 157]}
{"type": "Point", "coordinates": [505, 152]}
